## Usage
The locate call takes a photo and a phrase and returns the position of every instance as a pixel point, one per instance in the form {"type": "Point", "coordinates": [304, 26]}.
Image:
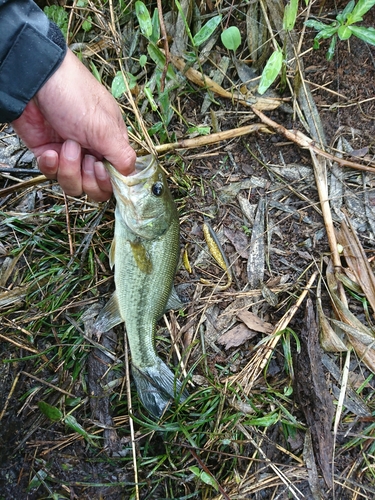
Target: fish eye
{"type": "Point", "coordinates": [157, 189]}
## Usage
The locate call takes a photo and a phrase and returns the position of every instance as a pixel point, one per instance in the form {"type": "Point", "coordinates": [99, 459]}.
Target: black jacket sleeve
{"type": "Point", "coordinates": [31, 49]}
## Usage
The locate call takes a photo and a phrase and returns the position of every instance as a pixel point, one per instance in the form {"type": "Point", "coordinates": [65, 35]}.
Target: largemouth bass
{"type": "Point", "coordinates": [144, 253]}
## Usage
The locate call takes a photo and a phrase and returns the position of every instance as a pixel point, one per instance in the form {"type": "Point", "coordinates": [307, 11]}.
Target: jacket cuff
{"type": "Point", "coordinates": [31, 60]}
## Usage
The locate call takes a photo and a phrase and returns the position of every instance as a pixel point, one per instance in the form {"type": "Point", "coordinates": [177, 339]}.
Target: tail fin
{"type": "Point", "coordinates": [156, 386]}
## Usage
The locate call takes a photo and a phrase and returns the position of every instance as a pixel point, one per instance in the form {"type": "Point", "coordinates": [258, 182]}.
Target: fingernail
{"type": "Point", "coordinates": [88, 164]}
{"type": "Point", "coordinates": [72, 150]}
{"type": "Point", "coordinates": [49, 160]}
{"type": "Point", "coordinates": [100, 171]}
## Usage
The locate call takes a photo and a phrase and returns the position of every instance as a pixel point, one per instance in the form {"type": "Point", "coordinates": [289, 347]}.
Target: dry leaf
{"type": "Point", "coordinates": [357, 260]}
{"type": "Point", "coordinates": [359, 336]}
{"type": "Point", "coordinates": [329, 339]}
{"type": "Point", "coordinates": [239, 241]}
{"type": "Point", "coordinates": [253, 322]}
{"type": "Point", "coordinates": [236, 336]}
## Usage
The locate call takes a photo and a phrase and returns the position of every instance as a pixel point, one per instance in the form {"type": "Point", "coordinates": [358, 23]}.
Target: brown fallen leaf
{"type": "Point", "coordinates": [359, 336]}
{"type": "Point", "coordinates": [313, 394]}
{"type": "Point", "coordinates": [253, 322]}
{"type": "Point", "coordinates": [239, 240]}
{"type": "Point", "coordinates": [357, 260]}
{"type": "Point", "coordinates": [236, 336]}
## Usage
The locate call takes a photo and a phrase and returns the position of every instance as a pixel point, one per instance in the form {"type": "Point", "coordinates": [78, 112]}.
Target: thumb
{"type": "Point", "coordinates": [122, 156]}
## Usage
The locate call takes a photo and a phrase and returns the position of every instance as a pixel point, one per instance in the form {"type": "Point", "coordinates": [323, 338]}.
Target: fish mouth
{"type": "Point", "coordinates": [144, 168]}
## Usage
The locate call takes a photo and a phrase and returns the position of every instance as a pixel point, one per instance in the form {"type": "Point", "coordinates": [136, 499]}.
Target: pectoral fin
{"type": "Point", "coordinates": [109, 316]}
{"type": "Point", "coordinates": [112, 253]}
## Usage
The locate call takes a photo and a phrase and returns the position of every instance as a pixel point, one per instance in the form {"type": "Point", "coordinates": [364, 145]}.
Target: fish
{"type": "Point", "coordinates": [144, 253]}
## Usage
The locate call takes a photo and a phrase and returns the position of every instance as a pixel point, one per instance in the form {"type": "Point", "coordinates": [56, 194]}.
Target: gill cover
{"type": "Point", "coordinates": [144, 202]}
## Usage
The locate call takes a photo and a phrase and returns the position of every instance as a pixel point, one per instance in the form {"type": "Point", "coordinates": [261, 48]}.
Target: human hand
{"type": "Point", "coordinates": [71, 124]}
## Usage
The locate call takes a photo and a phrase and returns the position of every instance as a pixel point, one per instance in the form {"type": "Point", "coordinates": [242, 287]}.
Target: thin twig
{"type": "Point", "coordinates": [165, 43]}
{"type": "Point", "coordinates": [305, 142]}
{"type": "Point", "coordinates": [254, 368]}
{"type": "Point", "coordinates": [340, 404]}
{"type": "Point", "coordinates": [297, 494]}
{"type": "Point", "coordinates": [9, 395]}
{"type": "Point", "coordinates": [44, 382]}
{"type": "Point", "coordinates": [68, 228]}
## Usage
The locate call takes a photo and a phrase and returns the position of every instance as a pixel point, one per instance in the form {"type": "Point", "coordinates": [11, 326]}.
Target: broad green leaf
{"type": "Point", "coordinates": [344, 32]}
{"type": "Point", "coordinates": [200, 130]}
{"type": "Point", "coordinates": [143, 60]}
{"type": "Point", "coordinates": [119, 86]}
{"type": "Point", "coordinates": [231, 38]}
{"type": "Point", "coordinates": [264, 421]}
{"type": "Point", "coordinates": [327, 32]}
{"type": "Point", "coordinates": [342, 17]}
{"type": "Point", "coordinates": [349, 8]}
{"type": "Point", "coordinates": [155, 129]}
{"type": "Point", "coordinates": [331, 49]}
{"type": "Point", "coordinates": [312, 23]}
{"type": "Point", "coordinates": [208, 479]}
{"type": "Point", "coordinates": [288, 391]}
{"type": "Point", "coordinates": [155, 26]}
{"type": "Point", "coordinates": [37, 480]}
{"type": "Point", "coordinates": [360, 9]}
{"type": "Point", "coordinates": [206, 31]}
{"type": "Point", "coordinates": [190, 57]}
{"type": "Point", "coordinates": [195, 470]}
{"type": "Point", "coordinates": [363, 33]}
{"type": "Point", "coordinates": [144, 18]}
{"type": "Point", "coordinates": [71, 422]}
{"type": "Point", "coordinates": [50, 412]}
{"type": "Point", "coordinates": [290, 15]}
{"type": "Point", "coordinates": [271, 70]}
{"type": "Point", "coordinates": [87, 24]}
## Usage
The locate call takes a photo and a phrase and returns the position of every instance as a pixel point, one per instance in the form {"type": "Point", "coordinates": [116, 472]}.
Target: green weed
{"type": "Point", "coordinates": [344, 26]}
